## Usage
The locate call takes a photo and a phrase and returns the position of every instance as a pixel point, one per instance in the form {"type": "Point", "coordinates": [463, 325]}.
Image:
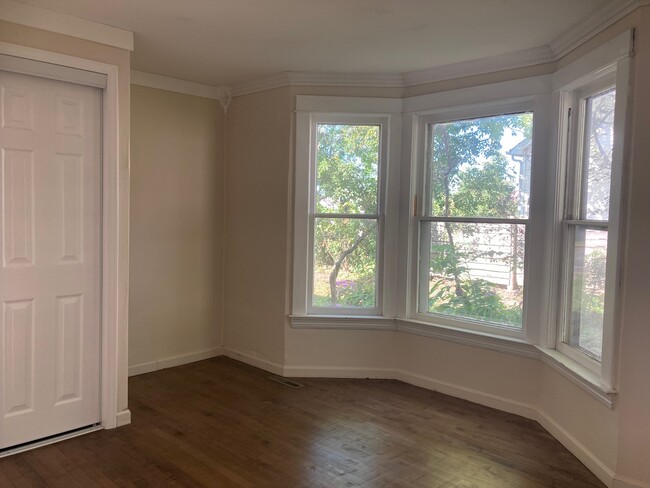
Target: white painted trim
{"type": "Point", "coordinates": [173, 361]}
{"type": "Point", "coordinates": [310, 78]}
{"type": "Point", "coordinates": [260, 85]}
{"type": "Point", "coordinates": [578, 375]}
{"type": "Point", "coordinates": [496, 93]}
{"type": "Point", "coordinates": [255, 361]}
{"type": "Point", "coordinates": [625, 482]}
{"type": "Point", "coordinates": [52, 71]}
{"type": "Point", "coordinates": [123, 418]}
{"type": "Point", "coordinates": [503, 344]}
{"type": "Point", "coordinates": [143, 368]}
{"type": "Point", "coordinates": [595, 63]}
{"type": "Point", "coordinates": [362, 322]}
{"type": "Point", "coordinates": [39, 18]}
{"type": "Point", "coordinates": [338, 372]}
{"type": "Point", "coordinates": [469, 394]}
{"type": "Point", "coordinates": [597, 21]}
{"type": "Point", "coordinates": [176, 85]}
{"type": "Point", "coordinates": [348, 105]}
{"type": "Point", "coordinates": [517, 59]}
{"type": "Point", "coordinates": [48, 441]}
{"type": "Point", "coordinates": [603, 472]}
{"type": "Point", "coordinates": [188, 358]}
{"type": "Point", "coordinates": [115, 208]}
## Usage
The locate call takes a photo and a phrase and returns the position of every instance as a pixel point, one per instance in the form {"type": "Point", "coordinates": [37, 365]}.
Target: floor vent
{"type": "Point", "coordinates": [285, 382]}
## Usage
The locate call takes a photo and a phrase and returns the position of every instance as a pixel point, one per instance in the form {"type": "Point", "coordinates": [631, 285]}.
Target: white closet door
{"type": "Point", "coordinates": [50, 246]}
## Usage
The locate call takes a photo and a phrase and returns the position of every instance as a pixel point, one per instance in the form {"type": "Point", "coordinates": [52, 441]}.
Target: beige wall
{"type": "Point", "coordinates": [613, 442]}
{"type": "Point", "coordinates": [177, 184]}
{"type": "Point", "coordinates": [257, 194]}
{"type": "Point", "coordinates": [58, 43]}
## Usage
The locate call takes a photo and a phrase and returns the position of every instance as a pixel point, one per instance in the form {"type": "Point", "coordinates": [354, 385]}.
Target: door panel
{"type": "Point", "coordinates": [50, 230]}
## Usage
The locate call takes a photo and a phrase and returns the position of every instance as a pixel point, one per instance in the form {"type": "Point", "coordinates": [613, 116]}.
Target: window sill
{"type": "Point", "coordinates": [508, 345]}
{"type": "Point", "coordinates": [349, 322]}
{"type": "Point", "coordinates": [579, 375]}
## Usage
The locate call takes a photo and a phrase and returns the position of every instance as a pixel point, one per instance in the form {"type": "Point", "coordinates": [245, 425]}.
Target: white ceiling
{"type": "Point", "coordinates": [225, 42]}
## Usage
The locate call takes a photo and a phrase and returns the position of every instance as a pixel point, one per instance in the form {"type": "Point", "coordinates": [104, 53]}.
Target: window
{"type": "Point", "coordinates": [592, 175]}
{"type": "Point", "coordinates": [488, 215]}
{"type": "Point", "coordinates": [476, 181]}
{"type": "Point", "coordinates": [345, 215]}
{"type": "Point", "coordinates": [345, 225]}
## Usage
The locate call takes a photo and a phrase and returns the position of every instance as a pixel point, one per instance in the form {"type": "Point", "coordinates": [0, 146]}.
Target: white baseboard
{"type": "Point", "coordinates": [469, 394]}
{"type": "Point", "coordinates": [338, 372]}
{"type": "Point", "coordinates": [251, 360]}
{"type": "Point", "coordinates": [123, 418]}
{"type": "Point", "coordinates": [603, 472]}
{"type": "Point", "coordinates": [623, 482]}
{"type": "Point", "coordinates": [170, 362]}
{"type": "Point", "coordinates": [143, 368]}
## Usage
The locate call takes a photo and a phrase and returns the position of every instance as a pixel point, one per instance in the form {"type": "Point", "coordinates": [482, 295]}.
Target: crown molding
{"type": "Point", "coordinates": [518, 59]}
{"type": "Point", "coordinates": [309, 78]}
{"type": "Point", "coordinates": [594, 23]}
{"type": "Point", "coordinates": [597, 21]}
{"type": "Point", "coordinates": [260, 84]}
{"type": "Point", "coordinates": [151, 80]}
{"type": "Point", "coordinates": [68, 25]}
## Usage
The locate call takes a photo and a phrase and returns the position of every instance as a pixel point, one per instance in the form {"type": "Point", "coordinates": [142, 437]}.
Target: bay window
{"type": "Point", "coordinates": [489, 216]}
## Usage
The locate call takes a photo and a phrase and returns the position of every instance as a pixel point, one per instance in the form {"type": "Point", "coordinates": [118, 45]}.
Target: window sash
{"type": "Point", "coordinates": [347, 120]}
{"type": "Point", "coordinates": [327, 310]}
{"type": "Point", "coordinates": [422, 305]}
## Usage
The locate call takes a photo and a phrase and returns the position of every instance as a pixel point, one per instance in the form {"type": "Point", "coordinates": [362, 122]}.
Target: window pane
{"type": "Point", "coordinates": [597, 170]}
{"type": "Point", "coordinates": [476, 271]}
{"type": "Point", "coordinates": [588, 291]}
{"type": "Point", "coordinates": [481, 167]}
{"type": "Point", "coordinates": [345, 263]}
{"type": "Point", "coordinates": [347, 168]}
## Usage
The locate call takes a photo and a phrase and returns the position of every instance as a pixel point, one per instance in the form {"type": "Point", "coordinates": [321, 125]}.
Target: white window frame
{"type": "Point", "coordinates": [312, 111]}
{"type": "Point", "coordinates": [607, 66]}
{"type": "Point", "coordinates": [533, 264]}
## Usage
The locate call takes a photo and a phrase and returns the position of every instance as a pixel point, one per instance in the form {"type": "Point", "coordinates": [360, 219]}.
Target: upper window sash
{"type": "Point", "coordinates": [576, 110]}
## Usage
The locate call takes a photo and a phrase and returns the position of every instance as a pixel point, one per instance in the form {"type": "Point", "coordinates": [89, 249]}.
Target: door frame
{"type": "Point", "coordinates": [115, 232]}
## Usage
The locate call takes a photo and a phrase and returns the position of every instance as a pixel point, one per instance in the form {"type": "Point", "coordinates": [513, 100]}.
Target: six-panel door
{"type": "Point", "coordinates": [50, 268]}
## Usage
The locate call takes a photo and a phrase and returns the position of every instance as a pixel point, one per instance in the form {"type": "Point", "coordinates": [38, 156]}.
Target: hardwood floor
{"type": "Point", "coordinates": [219, 423]}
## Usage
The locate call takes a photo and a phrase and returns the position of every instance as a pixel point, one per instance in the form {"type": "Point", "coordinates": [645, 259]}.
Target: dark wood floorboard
{"type": "Point", "coordinates": [220, 423]}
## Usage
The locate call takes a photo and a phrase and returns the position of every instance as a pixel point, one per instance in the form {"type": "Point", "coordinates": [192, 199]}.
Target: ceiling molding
{"type": "Point", "coordinates": [518, 59]}
{"type": "Point", "coordinates": [261, 84]}
{"type": "Point", "coordinates": [308, 78]}
{"type": "Point", "coordinates": [68, 25]}
{"type": "Point", "coordinates": [220, 93]}
{"type": "Point", "coordinates": [594, 23]}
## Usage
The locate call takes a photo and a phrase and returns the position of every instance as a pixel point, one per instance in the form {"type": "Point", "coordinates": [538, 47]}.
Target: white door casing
{"type": "Point", "coordinates": [50, 267]}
